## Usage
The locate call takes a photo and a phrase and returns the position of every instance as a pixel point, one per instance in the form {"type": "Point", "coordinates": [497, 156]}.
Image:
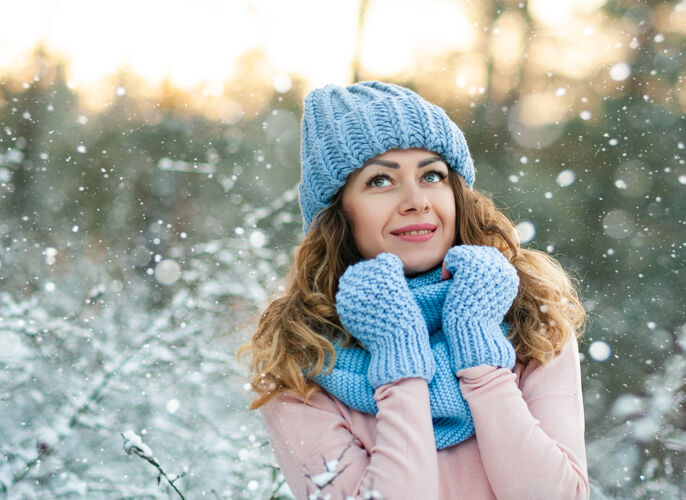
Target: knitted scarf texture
{"type": "Point", "coordinates": [452, 420]}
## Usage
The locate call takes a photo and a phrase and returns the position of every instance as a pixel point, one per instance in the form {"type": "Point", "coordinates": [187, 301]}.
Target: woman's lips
{"type": "Point", "coordinates": [415, 232]}
{"type": "Point", "coordinates": [416, 237]}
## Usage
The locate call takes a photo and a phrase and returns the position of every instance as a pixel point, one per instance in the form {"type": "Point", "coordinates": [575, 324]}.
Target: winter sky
{"type": "Point", "coordinates": [194, 42]}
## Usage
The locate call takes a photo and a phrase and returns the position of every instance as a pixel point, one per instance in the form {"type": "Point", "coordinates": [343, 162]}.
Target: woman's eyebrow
{"type": "Point", "coordinates": [393, 164]}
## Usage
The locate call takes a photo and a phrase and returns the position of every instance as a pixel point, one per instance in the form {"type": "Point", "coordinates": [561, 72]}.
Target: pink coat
{"type": "Point", "coordinates": [529, 440]}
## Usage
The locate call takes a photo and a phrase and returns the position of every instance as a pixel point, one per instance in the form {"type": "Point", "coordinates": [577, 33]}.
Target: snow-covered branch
{"type": "Point", "coordinates": [133, 444]}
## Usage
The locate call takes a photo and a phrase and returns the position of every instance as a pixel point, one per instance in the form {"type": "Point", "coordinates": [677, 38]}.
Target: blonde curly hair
{"type": "Point", "coordinates": [295, 331]}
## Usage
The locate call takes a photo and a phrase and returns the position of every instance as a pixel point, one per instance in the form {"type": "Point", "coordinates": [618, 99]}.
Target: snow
{"type": "Point", "coordinates": [566, 178]}
{"type": "Point", "coordinates": [620, 71]}
{"type": "Point", "coordinates": [133, 441]}
{"type": "Point", "coordinates": [618, 224]}
{"type": "Point", "coordinates": [167, 272]}
{"type": "Point", "coordinates": [172, 405]}
{"type": "Point", "coordinates": [140, 241]}
{"type": "Point", "coordinates": [257, 239]}
{"type": "Point", "coordinates": [526, 231]}
{"type": "Point", "coordinates": [324, 478]}
{"type": "Point", "coordinates": [599, 350]}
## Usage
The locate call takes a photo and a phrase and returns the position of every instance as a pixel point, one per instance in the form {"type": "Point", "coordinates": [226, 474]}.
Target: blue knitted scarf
{"type": "Point", "coordinates": [452, 420]}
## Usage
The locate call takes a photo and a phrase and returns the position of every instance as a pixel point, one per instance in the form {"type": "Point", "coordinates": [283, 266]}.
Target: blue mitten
{"type": "Point", "coordinates": [376, 306]}
{"type": "Point", "coordinates": [483, 288]}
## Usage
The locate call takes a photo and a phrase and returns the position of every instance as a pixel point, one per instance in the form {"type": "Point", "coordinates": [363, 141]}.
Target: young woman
{"type": "Point", "coordinates": [418, 352]}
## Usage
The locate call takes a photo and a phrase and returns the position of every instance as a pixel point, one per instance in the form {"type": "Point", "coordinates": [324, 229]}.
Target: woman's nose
{"type": "Point", "coordinates": [414, 199]}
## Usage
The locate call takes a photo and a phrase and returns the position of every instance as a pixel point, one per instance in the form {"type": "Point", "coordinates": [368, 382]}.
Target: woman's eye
{"type": "Point", "coordinates": [379, 181]}
{"type": "Point", "coordinates": [434, 176]}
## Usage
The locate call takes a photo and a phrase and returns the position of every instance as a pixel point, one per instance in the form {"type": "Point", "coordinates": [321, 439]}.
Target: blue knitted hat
{"type": "Point", "coordinates": [343, 127]}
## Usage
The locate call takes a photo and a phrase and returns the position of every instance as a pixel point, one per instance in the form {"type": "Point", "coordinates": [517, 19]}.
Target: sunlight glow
{"type": "Point", "coordinates": [183, 42]}
{"type": "Point", "coordinates": [580, 47]}
{"type": "Point", "coordinates": [225, 57]}
{"type": "Point", "coordinates": [507, 40]}
{"type": "Point", "coordinates": [471, 75]}
{"type": "Point", "coordinates": [398, 35]}
{"type": "Point", "coordinates": [542, 108]}
{"type": "Point", "coordinates": [558, 12]}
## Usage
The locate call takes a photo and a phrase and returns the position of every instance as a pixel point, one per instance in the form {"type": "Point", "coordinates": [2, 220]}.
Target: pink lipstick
{"type": "Point", "coordinates": [415, 232]}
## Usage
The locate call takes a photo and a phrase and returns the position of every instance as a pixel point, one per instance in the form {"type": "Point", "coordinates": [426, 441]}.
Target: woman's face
{"type": "Point", "coordinates": [401, 202]}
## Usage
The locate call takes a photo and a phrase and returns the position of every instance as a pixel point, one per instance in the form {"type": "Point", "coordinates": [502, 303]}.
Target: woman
{"type": "Point", "coordinates": [418, 351]}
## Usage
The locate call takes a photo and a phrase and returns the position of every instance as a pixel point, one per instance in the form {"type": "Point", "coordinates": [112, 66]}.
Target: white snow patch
{"type": "Point", "coordinates": [526, 231]}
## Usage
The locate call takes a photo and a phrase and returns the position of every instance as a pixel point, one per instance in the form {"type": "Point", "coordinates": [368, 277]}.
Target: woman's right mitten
{"type": "Point", "coordinates": [375, 305]}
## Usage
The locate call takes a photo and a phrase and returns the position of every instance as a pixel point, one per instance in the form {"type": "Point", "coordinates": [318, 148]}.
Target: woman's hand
{"type": "Point", "coordinates": [483, 288]}
{"type": "Point", "coordinates": [376, 306]}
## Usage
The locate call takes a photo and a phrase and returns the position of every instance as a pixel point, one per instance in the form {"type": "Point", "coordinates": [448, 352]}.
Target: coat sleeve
{"type": "Point", "coordinates": [531, 440]}
{"type": "Point", "coordinates": [314, 444]}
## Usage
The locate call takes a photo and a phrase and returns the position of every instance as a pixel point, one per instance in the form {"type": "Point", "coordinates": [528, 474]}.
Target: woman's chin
{"type": "Point", "coordinates": [414, 267]}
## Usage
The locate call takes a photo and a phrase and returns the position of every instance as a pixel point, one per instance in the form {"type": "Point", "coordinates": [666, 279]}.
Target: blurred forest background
{"type": "Point", "coordinates": [144, 225]}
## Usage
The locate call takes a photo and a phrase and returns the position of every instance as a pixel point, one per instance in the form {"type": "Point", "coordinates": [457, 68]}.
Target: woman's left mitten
{"type": "Point", "coordinates": [484, 285]}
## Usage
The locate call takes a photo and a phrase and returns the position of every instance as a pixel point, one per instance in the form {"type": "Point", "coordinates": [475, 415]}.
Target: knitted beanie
{"type": "Point", "coordinates": [343, 127]}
